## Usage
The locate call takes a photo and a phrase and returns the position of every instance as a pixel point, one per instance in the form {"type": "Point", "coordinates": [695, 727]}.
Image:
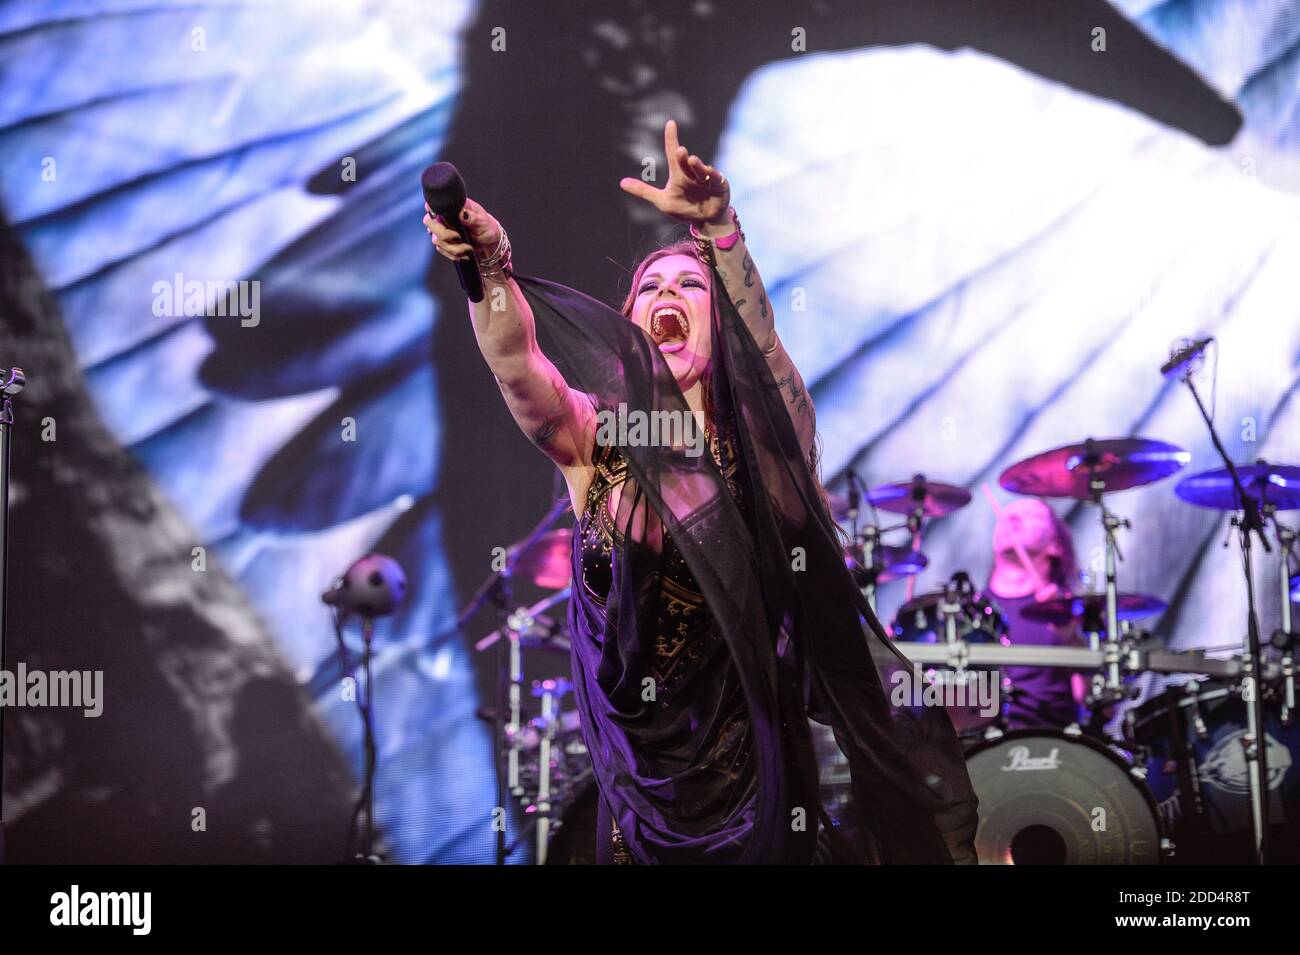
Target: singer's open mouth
{"type": "Point", "coordinates": [669, 327]}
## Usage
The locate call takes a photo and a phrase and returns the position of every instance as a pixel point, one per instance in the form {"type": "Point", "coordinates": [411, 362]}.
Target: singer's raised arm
{"type": "Point", "coordinates": [699, 194]}
{"type": "Point", "coordinates": [745, 287]}
{"type": "Point", "coordinates": [555, 417]}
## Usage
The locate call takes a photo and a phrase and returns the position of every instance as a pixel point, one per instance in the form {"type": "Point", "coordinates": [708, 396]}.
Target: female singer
{"type": "Point", "coordinates": [712, 614]}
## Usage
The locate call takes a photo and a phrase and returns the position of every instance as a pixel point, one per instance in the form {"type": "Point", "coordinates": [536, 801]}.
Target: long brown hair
{"type": "Point", "coordinates": [686, 246]}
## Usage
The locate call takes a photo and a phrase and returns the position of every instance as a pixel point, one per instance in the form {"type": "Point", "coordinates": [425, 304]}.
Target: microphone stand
{"type": "Point", "coordinates": [367, 854]}
{"type": "Point", "coordinates": [365, 808]}
{"type": "Point", "coordinates": [1249, 523]}
{"type": "Point", "coordinates": [10, 384]}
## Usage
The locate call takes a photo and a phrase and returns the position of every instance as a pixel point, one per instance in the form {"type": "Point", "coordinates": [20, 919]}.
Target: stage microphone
{"type": "Point", "coordinates": [444, 191]}
{"type": "Point", "coordinates": [1185, 353]}
{"type": "Point", "coordinates": [373, 587]}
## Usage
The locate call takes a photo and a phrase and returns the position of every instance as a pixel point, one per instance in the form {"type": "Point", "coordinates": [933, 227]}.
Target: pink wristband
{"type": "Point", "coordinates": [702, 243]}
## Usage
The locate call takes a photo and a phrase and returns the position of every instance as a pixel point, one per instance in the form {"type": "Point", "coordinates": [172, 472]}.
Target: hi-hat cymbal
{"type": "Point", "coordinates": [889, 562]}
{"type": "Point", "coordinates": [1116, 464]}
{"type": "Point", "coordinates": [1090, 609]}
{"type": "Point", "coordinates": [547, 562]}
{"type": "Point", "coordinates": [905, 497]}
{"type": "Point", "coordinates": [1274, 484]}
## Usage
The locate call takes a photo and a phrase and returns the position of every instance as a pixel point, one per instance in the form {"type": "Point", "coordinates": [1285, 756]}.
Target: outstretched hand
{"type": "Point", "coordinates": [483, 230]}
{"type": "Point", "coordinates": [695, 193]}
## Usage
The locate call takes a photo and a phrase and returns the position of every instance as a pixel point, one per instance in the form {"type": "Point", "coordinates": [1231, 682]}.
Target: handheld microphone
{"type": "Point", "coordinates": [444, 191]}
{"type": "Point", "coordinates": [1185, 354]}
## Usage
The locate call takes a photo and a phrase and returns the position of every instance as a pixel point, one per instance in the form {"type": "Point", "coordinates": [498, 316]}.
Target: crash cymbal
{"type": "Point", "coordinates": [1275, 484]}
{"type": "Point", "coordinates": [547, 562]}
{"type": "Point", "coordinates": [1116, 463]}
{"type": "Point", "coordinates": [890, 563]}
{"type": "Point", "coordinates": [904, 497]}
{"type": "Point", "coordinates": [1090, 609]}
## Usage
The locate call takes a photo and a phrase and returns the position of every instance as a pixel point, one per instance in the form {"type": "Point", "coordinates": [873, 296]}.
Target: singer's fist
{"type": "Point", "coordinates": [484, 232]}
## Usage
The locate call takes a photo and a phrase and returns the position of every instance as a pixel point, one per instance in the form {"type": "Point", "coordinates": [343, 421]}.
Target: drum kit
{"type": "Point", "coordinates": [1184, 775]}
{"type": "Point", "coordinates": [1200, 772]}
{"type": "Point", "coordinates": [542, 764]}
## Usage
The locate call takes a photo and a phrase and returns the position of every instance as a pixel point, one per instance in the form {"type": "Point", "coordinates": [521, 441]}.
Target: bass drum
{"type": "Point", "coordinates": [1197, 770]}
{"type": "Point", "coordinates": [1048, 797]}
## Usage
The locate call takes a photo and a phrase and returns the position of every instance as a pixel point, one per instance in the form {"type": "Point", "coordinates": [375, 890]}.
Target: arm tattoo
{"type": "Point", "coordinates": [748, 265]}
{"type": "Point", "coordinates": [546, 432]}
{"type": "Point", "coordinates": [798, 393]}
{"type": "Point", "coordinates": [543, 435]}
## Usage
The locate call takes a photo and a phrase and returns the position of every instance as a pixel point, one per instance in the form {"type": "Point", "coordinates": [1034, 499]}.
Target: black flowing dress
{"type": "Point", "coordinates": [712, 616]}
{"type": "Point", "coordinates": [695, 724]}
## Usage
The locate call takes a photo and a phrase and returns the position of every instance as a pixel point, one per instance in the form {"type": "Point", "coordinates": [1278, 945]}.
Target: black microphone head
{"type": "Point", "coordinates": [444, 189]}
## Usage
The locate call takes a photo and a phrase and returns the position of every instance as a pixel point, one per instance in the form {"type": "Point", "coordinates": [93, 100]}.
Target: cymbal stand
{"type": "Point", "coordinates": [1284, 639]}
{"type": "Point", "coordinates": [497, 590]}
{"type": "Point", "coordinates": [550, 692]}
{"type": "Point", "coordinates": [956, 590]}
{"type": "Point", "coordinates": [867, 543]}
{"type": "Point", "coordinates": [915, 524]}
{"type": "Point", "coordinates": [1112, 690]}
{"type": "Point", "coordinates": [867, 539]}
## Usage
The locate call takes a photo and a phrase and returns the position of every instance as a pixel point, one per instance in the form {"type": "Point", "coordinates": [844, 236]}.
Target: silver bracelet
{"type": "Point", "coordinates": [498, 262]}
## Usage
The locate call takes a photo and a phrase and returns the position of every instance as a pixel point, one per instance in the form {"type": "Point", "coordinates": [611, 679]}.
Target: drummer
{"type": "Point", "coordinates": [1033, 561]}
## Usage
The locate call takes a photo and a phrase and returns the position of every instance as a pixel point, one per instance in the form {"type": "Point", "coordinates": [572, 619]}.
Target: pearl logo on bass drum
{"type": "Point", "coordinates": [1018, 759]}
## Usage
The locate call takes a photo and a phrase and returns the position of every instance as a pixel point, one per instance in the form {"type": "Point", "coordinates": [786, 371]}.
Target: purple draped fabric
{"type": "Point", "coordinates": [801, 638]}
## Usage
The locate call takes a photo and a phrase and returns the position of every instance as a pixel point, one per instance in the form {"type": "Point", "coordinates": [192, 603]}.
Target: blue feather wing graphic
{"type": "Point", "coordinates": [151, 146]}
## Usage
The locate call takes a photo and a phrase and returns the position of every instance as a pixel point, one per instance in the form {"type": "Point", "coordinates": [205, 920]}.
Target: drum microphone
{"type": "Point", "coordinates": [444, 191]}
{"type": "Point", "coordinates": [373, 587]}
{"type": "Point", "coordinates": [1185, 354]}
